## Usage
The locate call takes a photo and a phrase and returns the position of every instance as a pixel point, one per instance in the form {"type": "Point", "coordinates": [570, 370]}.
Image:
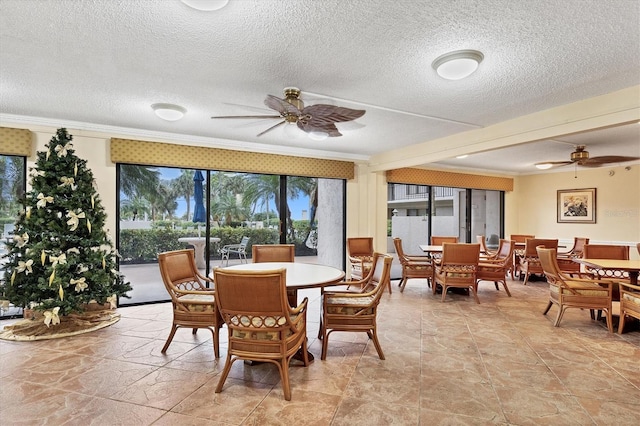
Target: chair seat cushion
{"type": "Point", "coordinates": [349, 305]}
{"type": "Point", "coordinates": [573, 285]}
{"type": "Point", "coordinates": [631, 298]}
{"type": "Point", "coordinates": [209, 306]}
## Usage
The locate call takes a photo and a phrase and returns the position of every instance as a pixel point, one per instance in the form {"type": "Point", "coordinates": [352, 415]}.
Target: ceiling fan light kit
{"type": "Point", "coordinates": [319, 119]}
{"type": "Point", "coordinates": [169, 112]}
{"type": "Point", "coordinates": [458, 64]}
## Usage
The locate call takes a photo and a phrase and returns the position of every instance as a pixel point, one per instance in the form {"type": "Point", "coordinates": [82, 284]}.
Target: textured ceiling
{"type": "Point", "coordinates": [100, 64]}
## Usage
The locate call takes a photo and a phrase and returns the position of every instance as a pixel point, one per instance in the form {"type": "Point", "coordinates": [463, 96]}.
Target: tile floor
{"type": "Point", "coordinates": [500, 362]}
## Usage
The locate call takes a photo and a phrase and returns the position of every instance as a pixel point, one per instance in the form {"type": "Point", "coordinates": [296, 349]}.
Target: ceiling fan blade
{"type": "Point", "coordinates": [280, 105]}
{"type": "Point", "coordinates": [248, 116]}
{"type": "Point", "coordinates": [606, 159]}
{"type": "Point", "coordinates": [329, 129]}
{"type": "Point", "coordinates": [272, 127]}
{"type": "Point", "coordinates": [322, 114]}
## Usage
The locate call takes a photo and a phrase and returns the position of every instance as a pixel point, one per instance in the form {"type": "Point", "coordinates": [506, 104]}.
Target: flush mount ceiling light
{"type": "Point", "coordinates": [544, 166]}
{"type": "Point", "coordinates": [457, 65]}
{"type": "Point", "coordinates": [318, 136]}
{"type": "Point", "coordinates": [169, 112]}
{"type": "Point", "coordinates": [206, 5]}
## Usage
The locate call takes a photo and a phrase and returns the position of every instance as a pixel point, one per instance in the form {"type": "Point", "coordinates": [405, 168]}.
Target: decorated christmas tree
{"type": "Point", "coordinates": [61, 258]}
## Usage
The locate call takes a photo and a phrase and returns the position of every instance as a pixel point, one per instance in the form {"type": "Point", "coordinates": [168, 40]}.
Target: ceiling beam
{"type": "Point", "coordinates": [613, 109]}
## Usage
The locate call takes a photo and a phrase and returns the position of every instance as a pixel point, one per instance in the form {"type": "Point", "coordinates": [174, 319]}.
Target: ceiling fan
{"type": "Point", "coordinates": [581, 157]}
{"type": "Point", "coordinates": [316, 119]}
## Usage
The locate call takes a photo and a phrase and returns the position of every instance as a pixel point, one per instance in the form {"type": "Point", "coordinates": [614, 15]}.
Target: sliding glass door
{"type": "Point", "coordinates": [165, 209]}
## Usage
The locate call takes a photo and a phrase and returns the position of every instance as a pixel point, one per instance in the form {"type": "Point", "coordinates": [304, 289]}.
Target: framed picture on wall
{"type": "Point", "coordinates": [577, 205]}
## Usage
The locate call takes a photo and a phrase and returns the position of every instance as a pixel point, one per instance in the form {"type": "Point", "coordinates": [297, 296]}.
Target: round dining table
{"type": "Point", "coordinates": [299, 275]}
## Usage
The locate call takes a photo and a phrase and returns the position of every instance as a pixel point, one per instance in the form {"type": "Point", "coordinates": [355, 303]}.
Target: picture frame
{"type": "Point", "coordinates": [576, 205]}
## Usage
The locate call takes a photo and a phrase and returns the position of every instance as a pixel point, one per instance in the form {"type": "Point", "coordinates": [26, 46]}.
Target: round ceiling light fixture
{"type": "Point", "coordinates": [544, 166]}
{"type": "Point", "coordinates": [169, 112]}
{"type": "Point", "coordinates": [206, 5]}
{"type": "Point", "coordinates": [318, 136]}
{"type": "Point", "coordinates": [457, 65]}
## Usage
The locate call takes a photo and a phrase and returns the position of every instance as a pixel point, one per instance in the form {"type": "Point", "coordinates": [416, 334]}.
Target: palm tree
{"type": "Point", "coordinates": [229, 209]}
{"type": "Point", "coordinates": [138, 180]}
{"type": "Point", "coordinates": [162, 200]}
{"type": "Point", "coordinates": [183, 186]}
{"type": "Point", "coordinates": [133, 208]}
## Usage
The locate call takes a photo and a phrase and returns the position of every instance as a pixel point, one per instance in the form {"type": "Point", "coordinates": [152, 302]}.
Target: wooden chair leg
{"type": "Point", "coordinates": [225, 373]}
{"type": "Point", "coordinates": [548, 307]}
{"type": "Point", "coordinates": [621, 323]}
{"type": "Point", "coordinates": [169, 339]}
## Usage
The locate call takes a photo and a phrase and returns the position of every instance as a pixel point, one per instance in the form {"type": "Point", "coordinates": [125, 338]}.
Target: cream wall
{"type": "Point", "coordinates": [532, 205]}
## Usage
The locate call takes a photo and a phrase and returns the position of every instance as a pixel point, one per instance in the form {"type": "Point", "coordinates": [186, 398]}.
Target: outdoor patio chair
{"type": "Point", "coordinates": [239, 249]}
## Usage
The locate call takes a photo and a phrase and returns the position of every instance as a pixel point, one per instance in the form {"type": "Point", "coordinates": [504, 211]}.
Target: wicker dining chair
{"type": "Point", "coordinates": [262, 326]}
{"type": "Point", "coordinates": [356, 312]}
{"type": "Point", "coordinates": [193, 303]}
{"type": "Point", "coordinates": [360, 252]}
{"type": "Point", "coordinates": [520, 241]}
{"type": "Point", "coordinates": [457, 268]}
{"type": "Point", "coordinates": [529, 263]}
{"type": "Point", "coordinates": [567, 292]}
{"type": "Point", "coordinates": [498, 267]}
{"type": "Point", "coordinates": [439, 240]}
{"type": "Point", "coordinates": [629, 303]}
{"type": "Point", "coordinates": [413, 266]}
{"type": "Point", "coordinates": [484, 250]}
{"type": "Point", "coordinates": [565, 259]}
{"type": "Point", "coordinates": [273, 253]}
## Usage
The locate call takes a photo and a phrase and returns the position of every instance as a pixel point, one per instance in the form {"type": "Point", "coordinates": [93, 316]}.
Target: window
{"type": "Point", "coordinates": [12, 187]}
{"type": "Point", "coordinates": [419, 211]}
{"type": "Point", "coordinates": [159, 211]}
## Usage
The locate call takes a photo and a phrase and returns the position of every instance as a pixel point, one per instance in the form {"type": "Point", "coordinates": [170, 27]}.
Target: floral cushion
{"type": "Point", "coordinates": [198, 307]}
{"type": "Point", "coordinates": [349, 305]}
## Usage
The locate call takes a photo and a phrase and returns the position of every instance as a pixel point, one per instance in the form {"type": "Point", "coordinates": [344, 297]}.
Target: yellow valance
{"type": "Point", "coordinates": [15, 141]}
{"type": "Point", "coordinates": [451, 179]}
{"type": "Point", "coordinates": [197, 157]}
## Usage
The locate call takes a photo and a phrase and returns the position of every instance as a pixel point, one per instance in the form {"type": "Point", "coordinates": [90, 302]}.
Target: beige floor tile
{"type": "Point", "coordinates": [498, 363]}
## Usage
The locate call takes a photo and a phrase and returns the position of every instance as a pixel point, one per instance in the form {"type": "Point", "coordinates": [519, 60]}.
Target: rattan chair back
{"type": "Point", "coordinates": [262, 326]}
{"type": "Point", "coordinates": [273, 253]}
